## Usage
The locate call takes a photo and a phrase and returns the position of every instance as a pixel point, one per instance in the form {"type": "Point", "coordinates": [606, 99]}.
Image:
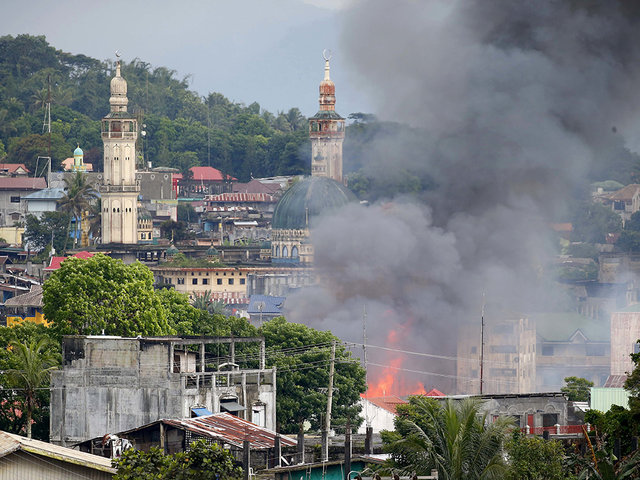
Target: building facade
{"type": "Point", "coordinates": [119, 189]}
{"type": "Point", "coordinates": [112, 384]}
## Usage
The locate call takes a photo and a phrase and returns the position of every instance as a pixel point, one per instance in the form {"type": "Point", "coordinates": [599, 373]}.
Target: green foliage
{"type": "Point", "coordinates": [200, 462]}
{"type": "Point", "coordinates": [609, 468]}
{"type": "Point", "coordinates": [301, 355]}
{"type": "Point", "coordinates": [39, 232]}
{"type": "Point", "coordinates": [532, 458]}
{"type": "Point", "coordinates": [176, 231]}
{"type": "Point", "coordinates": [629, 241]}
{"type": "Point", "coordinates": [632, 384]}
{"type": "Point", "coordinates": [27, 149]}
{"type": "Point", "coordinates": [583, 250]}
{"type": "Point", "coordinates": [183, 129]}
{"type": "Point", "coordinates": [617, 422]}
{"type": "Point", "coordinates": [592, 221]}
{"type": "Point", "coordinates": [100, 294]}
{"type": "Point", "coordinates": [79, 198]}
{"type": "Point", "coordinates": [32, 363]}
{"type": "Point", "coordinates": [13, 401]}
{"type": "Point", "coordinates": [577, 389]}
{"type": "Point", "coordinates": [577, 273]}
{"type": "Point", "coordinates": [452, 437]}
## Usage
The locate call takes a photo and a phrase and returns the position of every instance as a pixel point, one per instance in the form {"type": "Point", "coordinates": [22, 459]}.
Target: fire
{"type": "Point", "coordinates": [391, 379]}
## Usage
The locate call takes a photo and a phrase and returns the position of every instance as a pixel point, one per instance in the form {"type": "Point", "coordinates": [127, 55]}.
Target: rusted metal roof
{"type": "Point", "coordinates": [231, 429]}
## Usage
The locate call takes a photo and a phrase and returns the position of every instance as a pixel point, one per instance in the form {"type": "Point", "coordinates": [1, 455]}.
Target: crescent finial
{"type": "Point", "coordinates": [118, 54]}
{"type": "Point", "coordinates": [326, 54]}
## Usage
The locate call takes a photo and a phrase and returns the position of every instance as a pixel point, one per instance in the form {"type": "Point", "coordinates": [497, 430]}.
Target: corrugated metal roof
{"type": "Point", "coordinates": [615, 381]}
{"type": "Point", "coordinates": [226, 428]}
{"type": "Point", "coordinates": [10, 443]}
{"type": "Point", "coordinates": [46, 194]}
{"type": "Point", "coordinates": [22, 183]}
{"type": "Point", "coordinates": [29, 299]}
{"type": "Point", "coordinates": [241, 197]}
{"type": "Point", "coordinates": [201, 411]}
{"type": "Point", "coordinates": [268, 303]}
{"type": "Point", "coordinates": [603, 398]}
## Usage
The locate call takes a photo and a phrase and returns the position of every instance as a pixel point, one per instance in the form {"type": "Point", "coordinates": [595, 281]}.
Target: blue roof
{"type": "Point", "coordinates": [78, 151]}
{"type": "Point", "coordinates": [270, 305]}
{"type": "Point", "coordinates": [46, 194]}
{"type": "Point", "coordinates": [201, 411]}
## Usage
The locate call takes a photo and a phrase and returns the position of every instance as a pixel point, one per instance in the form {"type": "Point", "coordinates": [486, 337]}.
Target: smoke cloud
{"type": "Point", "coordinates": [514, 101]}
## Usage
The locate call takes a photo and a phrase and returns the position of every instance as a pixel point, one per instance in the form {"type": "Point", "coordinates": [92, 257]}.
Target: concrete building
{"type": "Point", "coordinates": [570, 345]}
{"type": "Point", "coordinates": [509, 355]}
{"type": "Point", "coordinates": [379, 413]}
{"type": "Point", "coordinates": [13, 207]}
{"type": "Point", "coordinates": [625, 332]}
{"type": "Point", "coordinates": [119, 189]}
{"type": "Point", "coordinates": [45, 200]}
{"type": "Point", "coordinates": [112, 384]}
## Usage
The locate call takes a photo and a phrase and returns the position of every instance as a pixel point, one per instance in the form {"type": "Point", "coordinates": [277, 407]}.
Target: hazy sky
{"type": "Point", "coordinates": [249, 50]}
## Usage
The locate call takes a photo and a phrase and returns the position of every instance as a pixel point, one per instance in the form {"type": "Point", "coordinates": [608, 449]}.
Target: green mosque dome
{"type": "Point", "coordinates": [77, 151]}
{"type": "Point", "coordinates": [212, 251]}
{"type": "Point", "coordinates": [171, 251]}
{"type": "Point", "coordinates": [308, 199]}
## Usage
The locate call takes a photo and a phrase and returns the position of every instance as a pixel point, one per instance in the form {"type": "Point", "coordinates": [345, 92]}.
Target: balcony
{"type": "Point", "coordinates": [119, 135]}
{"type": "Point", "coordinates": [119, 188]}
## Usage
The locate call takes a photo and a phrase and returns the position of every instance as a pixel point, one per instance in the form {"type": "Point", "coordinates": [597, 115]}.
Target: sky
{"type": "Point", "coordinates": [248, 50]}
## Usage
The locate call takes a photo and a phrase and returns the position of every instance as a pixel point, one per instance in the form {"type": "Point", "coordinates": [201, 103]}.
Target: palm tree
{"type": "Point", "coordinates": [453, 438]}
{"type": "Point", "coordinates": [33, 364]}
{"type": "Point", "coordinates": [79, 196]}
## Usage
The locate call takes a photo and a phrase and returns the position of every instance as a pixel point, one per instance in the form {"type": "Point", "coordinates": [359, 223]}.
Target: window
{"type": "Point", "coordinates": [549, 419]}
{"type": "Point", "coordinates": [242, 281]}
{"type": "Point", "coordinates": [595, 350]}
{"type": "Point", "coordinates": [219, 281]}
{"type": "Point", "coordinates": [503, 372]}
{"type": "Point", "coordinates": [194, 281]}
{"type": "Point", "coordinates": [231, 281]}
{"type": "Point", "coordinates": [636, 347]}
{"type": "Point", "coordinates": [474, 349]}
{"type": "Point", "coordinates": [181, 281]}
{"type": "Point", "coordinates": [205, 281]}
{"type": "Point", "coordinates": [547, 350]}
{"type": "Point", "coordinates": [294, 252]}
{"type": "Point", "coordinates": [285, 252]}
{"type": "Point", "coordinates": [15, 199]}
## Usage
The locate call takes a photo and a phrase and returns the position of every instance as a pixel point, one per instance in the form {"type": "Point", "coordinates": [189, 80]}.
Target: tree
{"type": "Point", "coordinates": [533, 458]}
{"type": "Point", "coordinates": [78, 198]}
{"type": "Point", "coordinates": [452, 437]}
{"type": "Point", "coordinates": [200, 462]}
{"type": "Point", "coordinates": [577, 389]}
{"type": "Point", "coordinates": [33, 363]}
{"type": "Point", "coordinates": [39, 233]}
{"type": "Point", "coordinates": [103, 295]}
{"type": "Point", "coordinates": [12, 417]}
{"type": "Point", "coordinates": [301, 355]}
{"type": "Point", "coordinates": [592, 222]}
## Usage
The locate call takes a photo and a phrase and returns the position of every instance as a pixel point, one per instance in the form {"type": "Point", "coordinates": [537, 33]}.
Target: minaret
{"type": "Point", "coordinates": [119, 190]}
{"type": "Point", "coordinates": [326, 130]}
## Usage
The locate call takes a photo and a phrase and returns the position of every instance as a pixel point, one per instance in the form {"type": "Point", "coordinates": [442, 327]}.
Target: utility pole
{"type": "Point", "coordinates": [327, 420]}
{"type": "Point", "coordinates": [482, 346]}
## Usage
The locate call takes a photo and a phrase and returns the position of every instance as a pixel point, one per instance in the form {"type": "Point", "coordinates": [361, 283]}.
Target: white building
{"type": "Point", "coordinates": [119, 190]}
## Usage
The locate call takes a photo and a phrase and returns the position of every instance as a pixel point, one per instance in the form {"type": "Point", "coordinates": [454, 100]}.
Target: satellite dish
{"type": "Point", "coordinates": [327, 54]}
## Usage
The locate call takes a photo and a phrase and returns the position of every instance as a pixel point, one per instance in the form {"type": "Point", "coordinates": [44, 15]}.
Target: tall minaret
{"type": "Point", "coordinates": [119, 190]}
{"type": "Point", "coordinates": [326, 130]}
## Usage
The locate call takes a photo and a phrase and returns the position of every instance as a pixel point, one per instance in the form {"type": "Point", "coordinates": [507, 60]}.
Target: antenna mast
{"type": "Point", "coordinates": [482, 346]}
{"type": "Point", "coordinates": [364, 355]}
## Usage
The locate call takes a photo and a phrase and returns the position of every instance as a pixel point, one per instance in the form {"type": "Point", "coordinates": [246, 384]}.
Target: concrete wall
{"type": "Point", "coordinates": [625, 332]}
{"type": "Point", "coordinates": [112, 384]}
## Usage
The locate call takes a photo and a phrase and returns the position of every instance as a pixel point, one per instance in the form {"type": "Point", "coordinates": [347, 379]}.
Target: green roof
{"type": "Point", "coordinates": [559, 327]}
{"type": "Point", "coordinates": [309, 198]}
{"type": "Point", "coordinates": [330, 114]}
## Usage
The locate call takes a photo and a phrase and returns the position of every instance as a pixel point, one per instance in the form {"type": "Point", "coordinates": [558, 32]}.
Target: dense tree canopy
{"type": "Point", "coordinates": [103, 295]}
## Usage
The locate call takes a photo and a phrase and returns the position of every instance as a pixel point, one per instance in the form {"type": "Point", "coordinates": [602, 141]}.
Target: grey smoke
{"type": "Point", "coordinates": [516, 100]}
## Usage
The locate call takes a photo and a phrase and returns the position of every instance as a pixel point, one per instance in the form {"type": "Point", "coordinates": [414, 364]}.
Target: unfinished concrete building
{"type": "Point", "coordinates": [112, 384]}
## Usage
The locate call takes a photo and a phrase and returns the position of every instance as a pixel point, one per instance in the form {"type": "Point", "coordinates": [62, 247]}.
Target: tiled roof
{"type": "Point", "coordinates": [625, 193]}
{"type": "Point", "coordinates": [388, 403]}
{"type": "Point", "coordinates": [226, 428]}
{"type": "Point", "coordinates": [56, 262]}
{"type": "Point", "coordinates": [209, 173]}
{"type": "Point", "coordinates": [13, 167]}
{"type": "Point", "coordinates": [22, 183]}
{"type": "Point", "coordinates": [255, 186]}
{"type": "Point", "coordinates": [434, 392]}
{"type": "Point", "coordinates": [10, 443]}
{"type": "Point", "coordinates": [29, 299]}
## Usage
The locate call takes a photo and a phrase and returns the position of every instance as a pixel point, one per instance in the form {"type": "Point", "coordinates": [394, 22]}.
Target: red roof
{"type": "Point", "coordinates": [13, 167]}
{"type": "Point", "coordinates": [22, 183]}
{"type": "Point", "coordinates": [388, 403]}
{"type": "Point", "coordinates": [434, 392]}
{"type": "Point", "coordinates": [56, 262]}
{"type": "Point", "coordinates": [209, 174]}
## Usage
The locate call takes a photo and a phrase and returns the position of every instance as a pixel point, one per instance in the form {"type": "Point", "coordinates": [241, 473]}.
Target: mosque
{"type": "Point", "coordinates": [318, 194]}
